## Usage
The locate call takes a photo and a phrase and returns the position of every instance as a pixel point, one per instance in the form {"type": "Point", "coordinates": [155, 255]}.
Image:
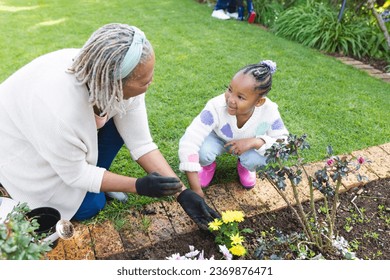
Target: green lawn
{"type": "Point", "coordinates": [196, 57]}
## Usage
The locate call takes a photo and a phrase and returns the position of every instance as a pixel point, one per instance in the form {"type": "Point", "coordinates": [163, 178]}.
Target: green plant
{"type": "Point", "coordinates": [285, 163]}
{"type": "Point", "coordinates": [354, 218]}
{"type": "Point", "coordinates": [145, 223]}
{"type": "Point", "coordinates": [374, 255]}
{"type": "Point", "coordinates": [18, 239]}
{"type": "Point", "coordinates": [354, 245]}
{"type": "Point", "coordinates": [275, 245]}
{"type": "Point", "coordinates": [382, 213]}
{"type": "Point", "coordinates": [322, 209]}
{"type": "Point", "coordinates": [369, 234]}
{"type": "Point", "coordinates": [347, 226]}
{"type": "Point", "coordinates": [267, 11]}
{"type": "Point", "coordinates": [317, 25]}
{"type": "Point", "coordinates": [228, 232]}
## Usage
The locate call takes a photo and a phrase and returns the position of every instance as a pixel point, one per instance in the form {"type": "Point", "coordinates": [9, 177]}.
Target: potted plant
{"type": "Point", "coordinates": [19, 239]}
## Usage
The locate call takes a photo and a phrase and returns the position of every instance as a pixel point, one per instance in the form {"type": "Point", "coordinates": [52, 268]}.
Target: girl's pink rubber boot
{"type": "Point", "coordinates": [247, 178]}
{"type": "Point", "coordinates": [206, 174]}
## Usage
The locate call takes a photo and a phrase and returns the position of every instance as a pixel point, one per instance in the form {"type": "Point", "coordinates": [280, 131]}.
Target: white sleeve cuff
{"type": "Point", "coordinates": [268, 142]}
{"type": "Point", "coordinates": [190, 166]}
{"type": "Point", "coordinates": [139, 152]}
{"type": "Point", "coordinates": [95, 178]}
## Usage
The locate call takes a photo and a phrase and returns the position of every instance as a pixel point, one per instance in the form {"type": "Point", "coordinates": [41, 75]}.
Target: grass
{"type": "Point", "coordinates": [196, 57]}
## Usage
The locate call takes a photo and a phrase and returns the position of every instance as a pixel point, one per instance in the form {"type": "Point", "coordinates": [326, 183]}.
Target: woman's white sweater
{"type": "Point", "coordinates": [48, 135]}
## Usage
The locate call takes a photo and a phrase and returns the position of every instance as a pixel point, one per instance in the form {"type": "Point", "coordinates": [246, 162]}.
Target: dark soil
{"type": "Point", "coordinates": [376, 63]}
{"type": "Point", "coordinates": [363, 220]}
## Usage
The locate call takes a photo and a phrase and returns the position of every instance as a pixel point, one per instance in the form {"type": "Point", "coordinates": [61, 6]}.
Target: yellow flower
{"type": "Point", "coordinates": [232, 216]}
{"type": "Point", "coordinates": [238, 250]}
{"type": "Point", "coordinates": [215, 225]}
{"type": "Point", "coordinates": [236, 239]}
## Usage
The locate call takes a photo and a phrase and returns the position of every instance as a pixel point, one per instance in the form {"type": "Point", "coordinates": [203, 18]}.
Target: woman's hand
{"type": "Point", "coordinates": [155, 185]}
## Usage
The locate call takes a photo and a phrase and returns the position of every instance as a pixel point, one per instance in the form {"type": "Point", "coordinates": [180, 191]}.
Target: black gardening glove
{"type": "Point", "coordinates": [155, 185]}
{"type": "Point", "coordinates": [196, 208]}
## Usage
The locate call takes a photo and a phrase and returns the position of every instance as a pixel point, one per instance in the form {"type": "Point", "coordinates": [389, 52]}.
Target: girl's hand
{"type": "Point", "coordinates": [197, 209]}
{"type": "Point", "coordinates": [240, 146]}
{"type": "Point", "coordinates": [199, 192]}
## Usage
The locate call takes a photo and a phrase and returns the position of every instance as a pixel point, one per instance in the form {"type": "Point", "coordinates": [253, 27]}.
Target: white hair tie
{"type": "Point", "coordinates": [271, 65]}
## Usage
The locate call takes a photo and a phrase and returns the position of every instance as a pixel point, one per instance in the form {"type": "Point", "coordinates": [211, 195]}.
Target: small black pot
{"type": "Point", "coordinates": [47, 219]}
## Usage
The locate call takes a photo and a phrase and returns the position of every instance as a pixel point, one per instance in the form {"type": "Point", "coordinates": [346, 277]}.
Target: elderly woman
{"type": "Point", "coordinates": [65, 115]}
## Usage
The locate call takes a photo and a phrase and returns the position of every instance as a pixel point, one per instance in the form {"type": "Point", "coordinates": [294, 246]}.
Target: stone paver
{"type": "Point", "coordinates": [220, 197]}
{"type": "Point", "coordinates": [160, 227]}
{"type": "Point", "coordinates": [255, 201]}
{"type": "Point", "coordinates": [349, 61]}
{"type": "Point", "coordinates": [106, 240]}
{"type": "Point", "coordinates": [352, 181]}
{"type": "Point", "coordinates": [168, 219]}
{"type": "Point", "coordinates": [380, 161]}
{"type": "Point", "coordinates": [134, 237]}
{"type": "Point", "coordinates": [270, 196]}
{"type": "Point", "coordinates": [79, 247]}
{"type": "Point", "coordinates": [386, 148]}
{"type": "Point", "coordinates": [367, 68]}
{"type": "Point", "coordinates": [179, 219]}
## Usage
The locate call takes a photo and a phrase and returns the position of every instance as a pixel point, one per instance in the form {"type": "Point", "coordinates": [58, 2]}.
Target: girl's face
{"type": "Point", "coordinates": [241, 97]}
{"type": "Point", "coordinates": [140, 80]}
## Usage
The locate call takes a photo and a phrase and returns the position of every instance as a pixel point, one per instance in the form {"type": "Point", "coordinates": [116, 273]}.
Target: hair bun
{"type": "Point", "coordinates": [271, 65]}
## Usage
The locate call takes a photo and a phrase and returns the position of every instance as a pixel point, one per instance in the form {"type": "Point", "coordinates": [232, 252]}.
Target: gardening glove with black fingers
{"type": "Point", "coordinates": [155, 185]}
{"type": "Point", "coordinates": [196, 208]}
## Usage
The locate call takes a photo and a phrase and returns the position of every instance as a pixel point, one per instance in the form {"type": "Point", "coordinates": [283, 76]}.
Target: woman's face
{"type": "Point", "coordinates": [140, 79]}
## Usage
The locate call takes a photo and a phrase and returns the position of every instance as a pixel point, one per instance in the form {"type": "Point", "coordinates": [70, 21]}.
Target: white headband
{"type": "Point", "coordinates": [133, 54]}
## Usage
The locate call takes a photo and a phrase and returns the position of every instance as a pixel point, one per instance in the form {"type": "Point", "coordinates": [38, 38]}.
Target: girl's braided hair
{"type": "Point", "coordinates": [262, 72]}
{"type": "Point", "coordinates": [99, 61]}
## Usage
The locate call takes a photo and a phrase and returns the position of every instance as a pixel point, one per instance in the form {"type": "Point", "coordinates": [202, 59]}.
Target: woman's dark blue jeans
{"type": "Point", "coordinates": [109, 144]}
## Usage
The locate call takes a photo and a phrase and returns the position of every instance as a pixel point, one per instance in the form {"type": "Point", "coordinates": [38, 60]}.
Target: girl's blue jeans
{"type": "Point", "coordinates": [213, 146]}
{"type": "Point", "coordinates": [109, 144]}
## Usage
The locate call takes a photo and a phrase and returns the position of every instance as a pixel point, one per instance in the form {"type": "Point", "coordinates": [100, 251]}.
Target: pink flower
{"type": "Point", "coordinates": [192, 253]}
{"type": "Point", "coordinates": [225, 252]}
{"type": "Point", "coordinates": [361, 160]}
{"type": "Point", "coordinates": [330, 162]}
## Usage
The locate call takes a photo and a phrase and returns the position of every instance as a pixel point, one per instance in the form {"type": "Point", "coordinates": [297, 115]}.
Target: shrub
{"type": "Point", "coordinates": [316, 25]}
{"type": "Point", "coordinates": [267, 11]}
{"type": "Point", "coordinates": [285, 163]}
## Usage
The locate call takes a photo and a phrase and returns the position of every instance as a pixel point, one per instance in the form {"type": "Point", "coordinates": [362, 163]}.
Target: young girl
{"type": "Point", "coordinates": [242, 122]}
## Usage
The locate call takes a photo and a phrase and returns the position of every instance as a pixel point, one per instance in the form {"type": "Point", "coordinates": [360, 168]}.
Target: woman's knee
{"type": "Point", "coordinates": [91, 205]}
